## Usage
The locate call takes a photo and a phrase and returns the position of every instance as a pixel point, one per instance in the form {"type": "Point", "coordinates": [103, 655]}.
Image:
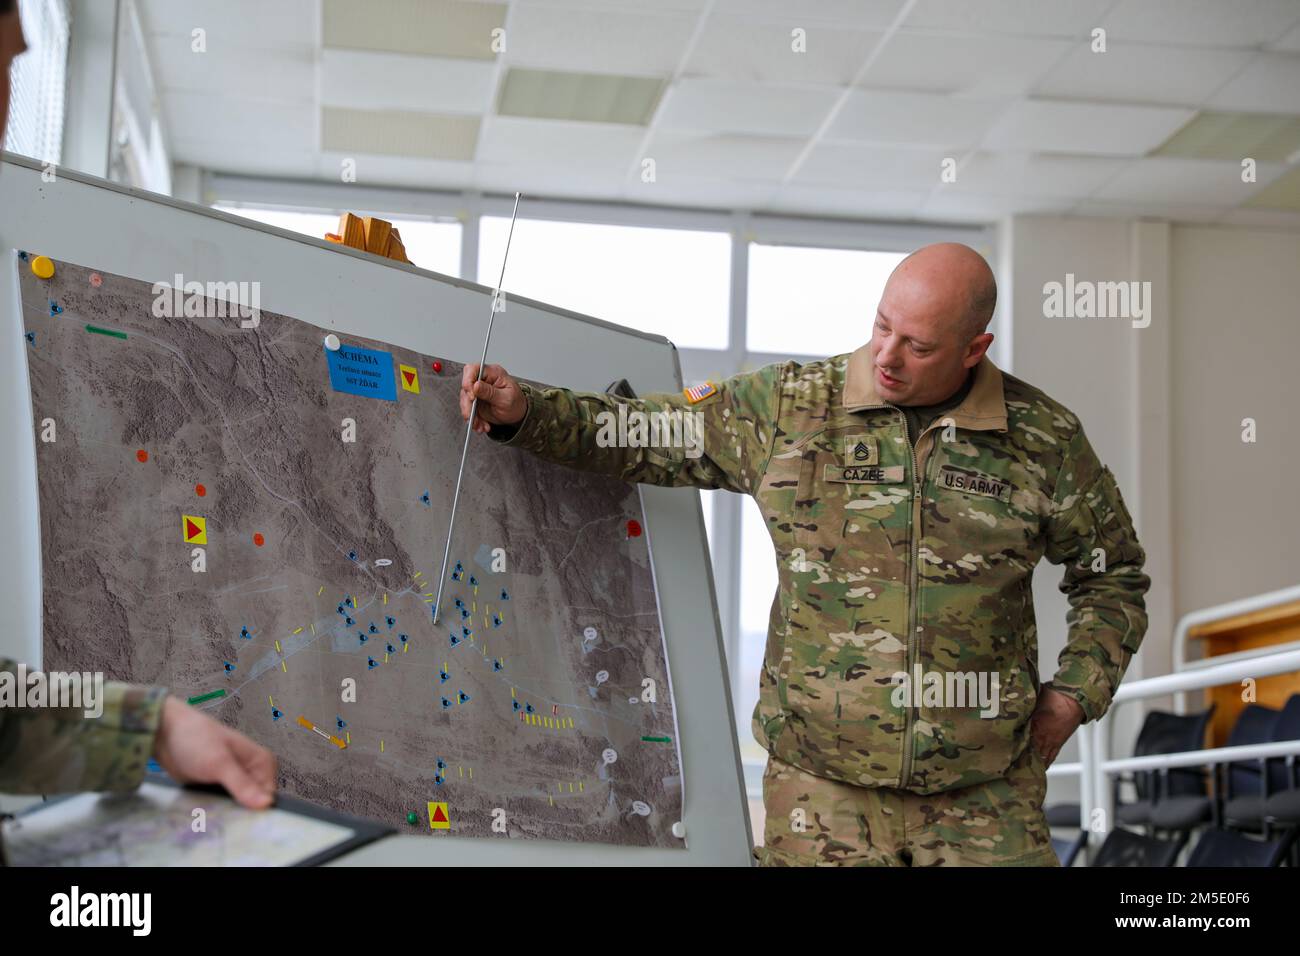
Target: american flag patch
{"type": "Point", "coordinates": [698, 393]}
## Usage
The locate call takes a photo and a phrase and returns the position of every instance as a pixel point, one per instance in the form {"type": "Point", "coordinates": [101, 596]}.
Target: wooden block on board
{"type": "Point", "coordinates": [377, 232]}
{"type": "Point", "coordinates": [353, 231]}
{"type": "Point", "coordinates": [395, 248]}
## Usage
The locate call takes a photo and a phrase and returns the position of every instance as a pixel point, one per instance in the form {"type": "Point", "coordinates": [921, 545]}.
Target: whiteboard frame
{"type": "Point", "coordinates": [129, 232]}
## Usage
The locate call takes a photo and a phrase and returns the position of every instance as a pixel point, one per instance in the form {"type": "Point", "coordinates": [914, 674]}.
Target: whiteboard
{"type": "Point", "coordinates": [144, 236]}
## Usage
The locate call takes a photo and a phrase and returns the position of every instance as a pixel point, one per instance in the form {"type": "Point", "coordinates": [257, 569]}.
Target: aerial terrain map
{"type": "Point", "coordinates": [255, 517]}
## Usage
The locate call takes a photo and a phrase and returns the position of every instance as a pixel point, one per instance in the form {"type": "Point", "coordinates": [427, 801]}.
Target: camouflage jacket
{"type": "Point", "coordinates": [61, 750]}
{"type": "Point", "coordinates": [894, 558]}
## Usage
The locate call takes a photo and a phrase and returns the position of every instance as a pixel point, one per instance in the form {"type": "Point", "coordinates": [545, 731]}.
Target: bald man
{"type": "Point", "coordinates": [909, 488]}
{"type": "Point", "coordinates": [49, 750]}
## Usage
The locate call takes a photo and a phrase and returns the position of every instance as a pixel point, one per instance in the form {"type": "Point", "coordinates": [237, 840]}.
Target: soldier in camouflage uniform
{"type": "Point", "coordinates": [47, 750]}
{"type": "Point", "coordinates": [901, 556]}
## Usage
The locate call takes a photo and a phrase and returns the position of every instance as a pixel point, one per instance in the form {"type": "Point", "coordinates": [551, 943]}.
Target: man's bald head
{"type": "Point", "coordinates": [931, 323]}
{"type": "Point", "coordinates": [959, 273]}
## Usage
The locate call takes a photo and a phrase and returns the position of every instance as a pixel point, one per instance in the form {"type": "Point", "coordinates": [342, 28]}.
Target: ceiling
{"type": "Point", "coordinates": [860, 123]}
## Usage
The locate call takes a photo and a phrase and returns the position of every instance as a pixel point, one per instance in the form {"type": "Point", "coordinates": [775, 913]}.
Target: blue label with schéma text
{"type": "Point", "coordinates": [359, 371]}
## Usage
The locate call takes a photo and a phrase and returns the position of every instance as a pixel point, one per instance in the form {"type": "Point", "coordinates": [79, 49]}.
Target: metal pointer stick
{"type": "Point", "coordinates": [469, 425]}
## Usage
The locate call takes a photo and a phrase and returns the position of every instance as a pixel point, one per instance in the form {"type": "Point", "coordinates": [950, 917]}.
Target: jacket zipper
{"type": "Point", "coordinates": [912, 712]}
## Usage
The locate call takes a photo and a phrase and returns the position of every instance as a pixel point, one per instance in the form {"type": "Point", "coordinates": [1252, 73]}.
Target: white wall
{"type": "Point", "coordinates": [1235, 350]}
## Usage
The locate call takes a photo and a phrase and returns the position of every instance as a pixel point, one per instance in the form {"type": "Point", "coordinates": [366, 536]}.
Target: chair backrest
{"type": "Point", "coordinates": [1126, 848]}
{"type": "Point", "coordinates": [1287, 727]}
{"type": "Point", "coordinates": [1254, 725]}
{"type": "Point", "coordinates": [1165, 733]}
{"type": "Point", "coordinates": [1067, 850]}
{"type": "Point", "coordinates": [1226, 848]}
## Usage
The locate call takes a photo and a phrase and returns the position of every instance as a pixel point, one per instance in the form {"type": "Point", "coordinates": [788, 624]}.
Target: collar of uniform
{"type": "Point", "coordinates": [984, 408]}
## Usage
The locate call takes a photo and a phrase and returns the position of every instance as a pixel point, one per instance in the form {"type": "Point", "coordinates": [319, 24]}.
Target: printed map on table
{"type": "Point", "coordinates": [257, 521]}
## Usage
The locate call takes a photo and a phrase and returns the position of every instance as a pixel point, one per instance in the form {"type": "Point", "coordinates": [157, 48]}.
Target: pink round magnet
{"type": "Point", "coordinates": [96, 279]}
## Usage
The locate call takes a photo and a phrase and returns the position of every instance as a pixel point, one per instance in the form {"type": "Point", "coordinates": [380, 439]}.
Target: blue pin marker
{"type": "Point", "coordinates": [504, 595]}
{"type": "Point", "coordinates": [55, 308]}
{"type": "Point", "coordinates": [465, 632]}
{"type": "Point", "coordinates": [228, 666]}
{"type": "Point", "coordinates": [444, 675]}
{"type": "Point", "coordinates": [390, 621]}
{"type": "Point", "coordinates": [390, 649]}
{"type": "Point", "coordinates": [425, 498]}
{"type": "Point", "coordinates": [442, 764]}
{"type": "Point", "coordinates": [153, 765]}
{"type": "Point", "coordinates": [371, 663]}
{"type": "Point", "coordinates": [31, 338]}
{"type": "Point", "coordinates": [23, 256]}
{"type": "Point", "coordinates": [464, 614]}
{"type": "Point", "coordinates": [362, 635]}
{"type": "Point", "coordinates": [245, 635]}
{"type": "Point", "coordinates": [348, 621]}
{"type": "Point", "coordinates": [462, 697]}
{"type": "Point", "coordinates": [497, 665]}
{"type": "Point", "coordinates": [460, 604]}
{"type": "Point", "coordinates": [348, 601]}
{"type": "Point", "coordinates": [352, 555]}
{"type": "Point", "coordinates": [437, 778]}
{"type": "Point", "coordinates": [528, 708]}
{"type": "Point", "coordinates": [373, 629]}
{"type": "Point", "coordinates": [496, 620]}
{"type": "Point", "coordinates": [402, 638]}
{"type": "Point", "coordinates": [514, 704]}
{"type": "Point", "coordinates": [340, 609]}
{"type": "Point", "coordinates": [454, 639]}
{"type": "Point", "coordinates": [275, 713]}
{"type": "Point", "coordinates": [446, 703]}
{"type": "Point", "coordinates": [342, 724]}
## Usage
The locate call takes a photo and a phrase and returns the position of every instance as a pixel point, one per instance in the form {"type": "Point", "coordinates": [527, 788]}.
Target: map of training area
{"type": "Point", "coordinates": [255, 517]}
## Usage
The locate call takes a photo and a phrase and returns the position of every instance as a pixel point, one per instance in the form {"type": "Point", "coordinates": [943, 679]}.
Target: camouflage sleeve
{"type": "Point", "coordinates": [1091, 532]}
{"type": "Point", "coordinates": [45, 750]}
{"type": "Point", "coordinates": [722, 441]}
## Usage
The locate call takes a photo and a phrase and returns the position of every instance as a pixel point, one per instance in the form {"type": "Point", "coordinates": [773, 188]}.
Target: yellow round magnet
{"type": "Point", "coordinates": [43, 267]}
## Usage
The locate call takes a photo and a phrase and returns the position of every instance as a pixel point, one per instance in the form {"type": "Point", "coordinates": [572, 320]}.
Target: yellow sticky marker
{"type": "Point", "coordinates": [318, 590]}
{"type": "Point", "coordinates": [439, 819]}
{"type": "Point", "coordinates": [269, 700]}
{"type": "Point", "coordinates": [385, 598]}
{"type": "Point", "coordinates": [43, 267]}
{"type": "Point", "coordinates": [410, 378]}
{"type": "Point", "coordinates": [277, 648]}
{"type": "Point", "coordinates": [194, 529]}
{"type": "Point", "coordinates": [381, 746]}
{"type": "Point", "coordinates": [282, 667]}
{"type": "Point", "coordinates": [299, 631]}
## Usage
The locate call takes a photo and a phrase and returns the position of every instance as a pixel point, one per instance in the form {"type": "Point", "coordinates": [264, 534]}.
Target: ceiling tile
{"type": "Point", "coordinates": [374, 170]}
{"type": "Point", "coordinates": [874, 116]}
{"type": "Point", "coordinates": [1034, 174]}
{"type": "Point", "coordinates": [694, 155]}
{"type": "Point", "coordinates": [588, 97]}
{"type": "Point", "coordinates": [1085, 128]}
{"type": "Point", "coordinates": [877, 14]}
{"type": "Point", "coordinates": [1168, 179]}
{"type": "Point", "coordinates": [1051, 18]}
{"type": "Point", "coordinates": [597, 41]}
{"type": "Point", "coordinates": [362, 79]}
{"type": "Point", "coordinates": [739, 49]}
{"type": "Point", "coordinates": [238, 124]}
{"type": "Point", "coordinates": [1149, 210]}
{"type": "Point", "coordinates": [425, 27]}
{"type": "Point", "coordinates": [398, 133]}
{"type": "Point", "coordinates": [729, 106]}
{"type": "Point", "coordinates": [968, 65]}
{"type": "Point", "coordinates": [847, 203]}
{"type": "Point", "coordinates": [1243, 23]}
{"type": "Point", "coordinates": [973, 207]}
{"type": "Point", "coordinates": [872, 167]}
{"type": "Point", "coordinates": [1143, 74]}
{"type": "Point", "coordinates": [1270, 84]}
{"type": "Point", "coordinates": [576, 146]}
{"type": "Point", "coordinates": [702, 192]}
{"type": "Point", "coordinates": [286, 26]}
{"type": "Point", "coordinates": [287, 76]}
{"type": "Point", "coordinates": [280, 163]}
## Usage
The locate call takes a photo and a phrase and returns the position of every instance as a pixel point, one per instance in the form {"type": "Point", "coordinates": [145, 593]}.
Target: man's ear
{"type": "Point", "coordinates": [976, 348]}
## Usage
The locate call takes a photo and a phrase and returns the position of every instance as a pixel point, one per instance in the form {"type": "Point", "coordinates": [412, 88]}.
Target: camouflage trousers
{"type": "Point", "coordinates": [813, 821]}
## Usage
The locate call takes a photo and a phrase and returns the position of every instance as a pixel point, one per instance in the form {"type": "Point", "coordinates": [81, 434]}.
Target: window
{"type": "Point", "coordinates": [758, 582]}
{"type": "Point", "coordinates": [38, 81]}
{"type": "Point", "coordinates": [674, 282]}
{"type": "Point", "coordinates": [429, 245]}
{"type": "Point", "coordinates": [811, 301]}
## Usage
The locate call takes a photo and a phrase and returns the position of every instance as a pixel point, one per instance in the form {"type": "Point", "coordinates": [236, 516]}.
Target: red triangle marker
{"type": "Point", "coordinates": [439, 816]}
{"type": "Point", "coordinates": [410, 377]}
{"type": "Point", "coordinates": [191, 529]}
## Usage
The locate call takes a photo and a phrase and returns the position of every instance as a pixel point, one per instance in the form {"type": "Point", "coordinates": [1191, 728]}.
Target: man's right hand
{"type": "Point", "coordinates": [500, 399]}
